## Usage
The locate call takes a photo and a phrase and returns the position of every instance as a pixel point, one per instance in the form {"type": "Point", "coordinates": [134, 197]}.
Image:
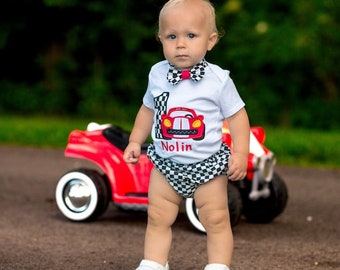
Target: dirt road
{"type": "Point", "coordinates": [34, 235]}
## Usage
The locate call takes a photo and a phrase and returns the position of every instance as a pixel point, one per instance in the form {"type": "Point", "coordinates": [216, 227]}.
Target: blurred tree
{"type": "Point", "coordinates": [92, 57]}
{"type": "Point", "coordinates": [283, 57]}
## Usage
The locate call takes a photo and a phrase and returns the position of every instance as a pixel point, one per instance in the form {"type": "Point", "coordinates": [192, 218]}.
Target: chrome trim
{"type": "Point", "coordinates": [77, 195]}
{"type": "Point", "coordinates": [263, 173]}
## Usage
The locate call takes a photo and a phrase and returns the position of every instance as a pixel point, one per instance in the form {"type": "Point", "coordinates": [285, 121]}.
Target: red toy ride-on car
{"type": "Point", "coordinates": [83, 194]}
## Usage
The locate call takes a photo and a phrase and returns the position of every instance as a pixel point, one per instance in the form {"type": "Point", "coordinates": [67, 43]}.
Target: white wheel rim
{"type": "Point", "coordinates": [193, 214]}
{"type": "Point", "coordinates": [80, 187]}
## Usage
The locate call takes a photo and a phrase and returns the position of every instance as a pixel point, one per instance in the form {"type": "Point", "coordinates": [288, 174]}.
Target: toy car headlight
{"type": "Point", "coordinates": [167, 123]}
{"type": "Point", "coordinates": [264, 166]}
{"type": "Point", "coordinates": [196, 123]}
{"type": "Point", "coordinates": [268, 167]}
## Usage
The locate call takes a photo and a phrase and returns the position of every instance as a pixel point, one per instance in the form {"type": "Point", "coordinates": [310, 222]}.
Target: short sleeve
{"type": "Point", "coordinates": [230, 100]}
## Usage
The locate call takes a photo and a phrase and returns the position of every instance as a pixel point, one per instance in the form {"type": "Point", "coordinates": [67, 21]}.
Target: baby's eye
{"type": "Point", "coordinates": [191, 35]}
{"type": "Point", "coordinates": [172, 36]}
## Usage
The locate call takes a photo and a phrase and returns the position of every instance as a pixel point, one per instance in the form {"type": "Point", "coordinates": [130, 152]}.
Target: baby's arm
{"type": "Point", "coordinates": [140, 132]}
{"type": "Point", "coordinates": [239, 131]}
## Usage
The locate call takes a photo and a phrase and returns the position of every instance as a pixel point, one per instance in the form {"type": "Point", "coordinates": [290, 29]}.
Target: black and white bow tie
{"type": "Point", "coordinates": [174, 75]}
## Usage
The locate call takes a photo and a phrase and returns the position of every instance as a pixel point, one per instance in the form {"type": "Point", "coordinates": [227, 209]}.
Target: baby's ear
{"type": "Point", "coordinates": [157, 36]}
{"type": "Point", "coordinates": [212, 41]}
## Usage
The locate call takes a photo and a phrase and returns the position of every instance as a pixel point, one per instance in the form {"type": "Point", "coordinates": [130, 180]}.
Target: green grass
{"type": "Point", "coordinates": [51, 132]}
{"type": "Point", "coordinates": [305, 147]}
{"type": "Point", "coordinates": [308, 148]}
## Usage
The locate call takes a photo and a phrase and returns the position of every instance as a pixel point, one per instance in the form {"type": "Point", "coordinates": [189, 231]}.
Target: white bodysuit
{"type": "Point", "coordinates": [189, 116]}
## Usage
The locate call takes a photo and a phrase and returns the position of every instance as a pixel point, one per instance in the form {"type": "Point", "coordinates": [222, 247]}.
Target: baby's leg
{"type": "Point", "coordinates": [211, 199]}
{"type": "Point", "coordinates": [162, 212]}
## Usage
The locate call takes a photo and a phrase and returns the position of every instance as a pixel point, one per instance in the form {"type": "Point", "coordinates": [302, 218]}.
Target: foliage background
{"type": "Point", "coordinates": [91, 58]}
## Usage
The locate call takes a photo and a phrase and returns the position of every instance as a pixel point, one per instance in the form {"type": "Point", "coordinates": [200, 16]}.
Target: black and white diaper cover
{"type": "Point", "coordinates": [185, 178]}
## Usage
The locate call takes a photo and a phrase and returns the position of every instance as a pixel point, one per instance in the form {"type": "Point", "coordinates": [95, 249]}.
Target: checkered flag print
{"type": "Point", "coordinates": [174, 76]}
{"type": "Point", "coordinates": [198, 71]}
{"type": "Point", "coordinates": [185, 178]}
{"type": "Point", "coordinates": [160, 102]}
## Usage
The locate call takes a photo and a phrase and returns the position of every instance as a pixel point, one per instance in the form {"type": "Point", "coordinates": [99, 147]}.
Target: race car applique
{"type": "Point", "coordinates": [182, 123]}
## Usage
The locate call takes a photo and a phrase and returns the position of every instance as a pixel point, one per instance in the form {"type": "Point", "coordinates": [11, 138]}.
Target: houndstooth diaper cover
{"type": "Point", "coordinates": [185, 178]}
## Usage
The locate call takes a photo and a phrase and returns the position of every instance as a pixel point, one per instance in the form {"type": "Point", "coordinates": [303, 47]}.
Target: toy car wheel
{"type": "Point", "coordinates": [234, 204]}
{"type": "Point", "coordinates": [82, 195]}
{"type": "Point", "coordinates": [265, 210]}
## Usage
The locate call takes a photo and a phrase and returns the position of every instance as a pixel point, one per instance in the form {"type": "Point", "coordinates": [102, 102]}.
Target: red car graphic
{"type": "Point", "coordinates": [182, 123]}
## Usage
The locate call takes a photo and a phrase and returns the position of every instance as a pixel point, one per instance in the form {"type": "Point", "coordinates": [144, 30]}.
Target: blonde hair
{"type": "Point", "coordinates": [210, 12]}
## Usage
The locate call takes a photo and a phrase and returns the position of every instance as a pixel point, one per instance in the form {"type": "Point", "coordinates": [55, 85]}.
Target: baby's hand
{"type": "Point", "coordinates": [132, 153]}
{"type": "Point", "coordinates": [237, 166]}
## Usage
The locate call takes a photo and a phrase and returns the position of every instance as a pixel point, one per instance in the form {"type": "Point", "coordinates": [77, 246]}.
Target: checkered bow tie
{"type": "Point", "coordinates": [174, 75]}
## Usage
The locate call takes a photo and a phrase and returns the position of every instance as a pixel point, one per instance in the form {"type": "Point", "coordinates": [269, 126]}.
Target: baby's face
{"type": "Point", "coordinates": [186, 34]}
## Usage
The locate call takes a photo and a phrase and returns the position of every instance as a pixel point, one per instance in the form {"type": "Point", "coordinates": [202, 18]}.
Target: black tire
{"type": "Point", "coordinates": [264, 210]}
{"type": "Point", "coordinates": [234, 204]}
{"type": "Point", "coordinates": [82, 195]}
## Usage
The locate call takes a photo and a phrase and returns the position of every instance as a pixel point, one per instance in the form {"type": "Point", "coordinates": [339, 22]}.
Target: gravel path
{"type": "Point", "coordinates": [34, 235]}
